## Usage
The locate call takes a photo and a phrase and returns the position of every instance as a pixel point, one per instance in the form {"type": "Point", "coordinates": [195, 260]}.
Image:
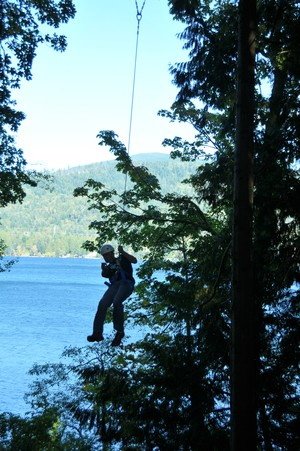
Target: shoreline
{"type": "Point", "coordinates": [90, 257]}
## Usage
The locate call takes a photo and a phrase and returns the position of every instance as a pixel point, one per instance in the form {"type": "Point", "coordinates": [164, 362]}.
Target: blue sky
{"type": "Point", "coordinates": [88, 88]}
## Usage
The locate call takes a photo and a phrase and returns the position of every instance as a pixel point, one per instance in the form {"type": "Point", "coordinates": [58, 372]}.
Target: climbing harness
{"type": "Point", "coordinates": [139, 12]}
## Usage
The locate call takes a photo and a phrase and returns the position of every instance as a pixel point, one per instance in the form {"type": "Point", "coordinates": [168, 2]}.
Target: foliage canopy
{"type": "Point", "coordinates": [24, 26]}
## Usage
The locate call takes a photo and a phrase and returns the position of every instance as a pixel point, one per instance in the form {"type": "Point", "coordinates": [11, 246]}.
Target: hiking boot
{"type": "Point", "coordinates": [92, 338]}
{"type": "Point", "coordinates": [118, 338]}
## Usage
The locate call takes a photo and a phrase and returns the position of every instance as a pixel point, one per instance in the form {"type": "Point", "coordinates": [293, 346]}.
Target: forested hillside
{"type": "Point", "coordinates": [52, 222]}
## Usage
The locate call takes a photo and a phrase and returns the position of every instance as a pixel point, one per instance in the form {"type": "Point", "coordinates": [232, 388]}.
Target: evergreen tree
{"type": "Point", "coordinates": [188, 339]}
{"type": "Point", "coordinates": [4, 264]}
{"type": "Point", "coordinates": [209, 76]}
{"type": "Point", "coordinates": [244, 358]}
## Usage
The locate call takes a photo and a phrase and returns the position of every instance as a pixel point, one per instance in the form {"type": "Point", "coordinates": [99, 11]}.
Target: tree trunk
{"type": "Point", "coordinates": [243, 372]}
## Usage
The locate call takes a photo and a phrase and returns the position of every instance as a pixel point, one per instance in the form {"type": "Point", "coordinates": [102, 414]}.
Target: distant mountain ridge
{"type": "Point", "coordinates": [139, 158]}
{"type": "Point", "coordinates": [52, 222]}
{"type": "Point", "coordinates": [153, 156]}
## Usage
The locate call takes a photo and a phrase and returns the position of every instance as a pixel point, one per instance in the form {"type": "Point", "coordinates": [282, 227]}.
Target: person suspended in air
{"type": "Point", "coordinates": [119, 272]}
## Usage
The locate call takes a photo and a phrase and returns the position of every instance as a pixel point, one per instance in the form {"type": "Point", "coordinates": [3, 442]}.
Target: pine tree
{"type": "Point", "coordinates": [244, 358]}
{"type": "Point", "coordinates": [209, 76]}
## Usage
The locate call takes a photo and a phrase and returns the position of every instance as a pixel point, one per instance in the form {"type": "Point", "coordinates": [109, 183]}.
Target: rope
{"type": "Point", "coordinates": [138, 18]}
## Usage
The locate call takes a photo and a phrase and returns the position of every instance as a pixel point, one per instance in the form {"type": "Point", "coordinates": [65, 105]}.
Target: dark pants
{"type": "Point", "coordinates": [116, 294]}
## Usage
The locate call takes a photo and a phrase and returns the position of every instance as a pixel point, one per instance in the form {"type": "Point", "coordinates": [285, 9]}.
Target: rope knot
{"type": "Point", "coordinates": [139, 11]}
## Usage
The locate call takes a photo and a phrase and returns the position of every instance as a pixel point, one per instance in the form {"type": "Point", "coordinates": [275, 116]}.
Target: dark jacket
{"type": "Point", "coordinates": [120, 270]}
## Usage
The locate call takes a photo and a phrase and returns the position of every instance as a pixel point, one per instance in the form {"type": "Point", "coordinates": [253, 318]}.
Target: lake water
{"type": "Point", "coordinates": [46, 304]}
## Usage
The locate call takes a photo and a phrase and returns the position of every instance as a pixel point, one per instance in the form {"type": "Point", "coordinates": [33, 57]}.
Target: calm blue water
{"type": "Point", "coordinates": [46, 304]}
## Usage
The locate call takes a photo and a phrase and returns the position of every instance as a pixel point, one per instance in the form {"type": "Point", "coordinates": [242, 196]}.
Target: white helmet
{"type": "Point", "coordinates": [106, 248]}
